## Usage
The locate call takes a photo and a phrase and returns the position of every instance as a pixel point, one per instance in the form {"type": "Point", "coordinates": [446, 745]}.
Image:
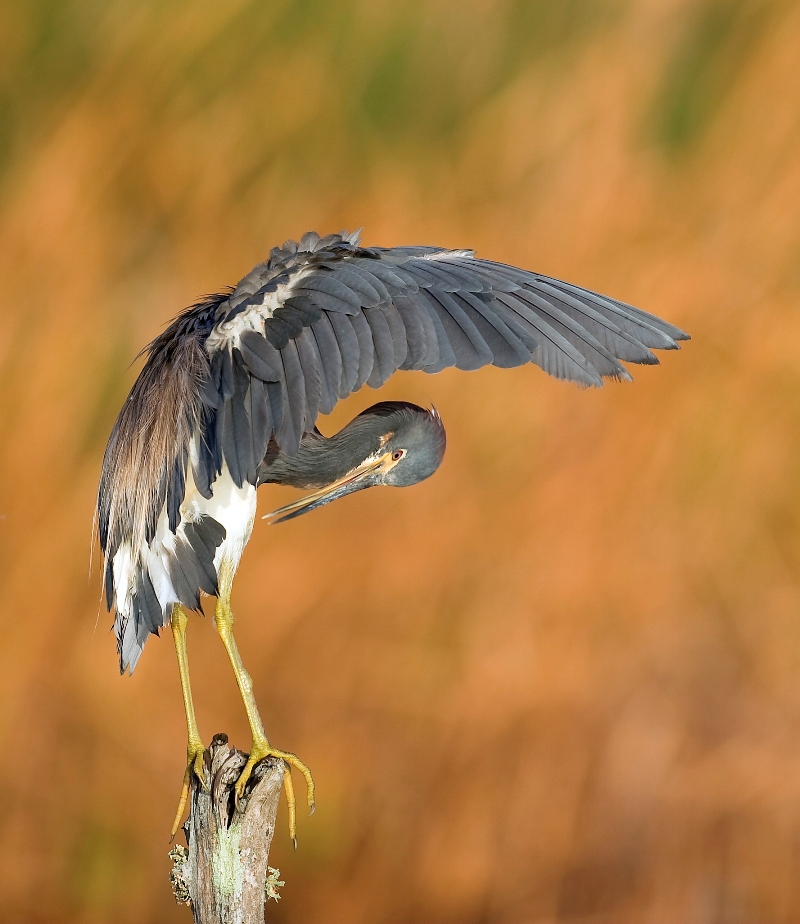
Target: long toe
{"type": "Point", "coordinates": [196, 766]}
{"type": "Point", "coordinates": [259, 752]}
{"type": "Point", "coordinates": [294, 761]}
{"type": "Point", "coordinates": [244, 776]}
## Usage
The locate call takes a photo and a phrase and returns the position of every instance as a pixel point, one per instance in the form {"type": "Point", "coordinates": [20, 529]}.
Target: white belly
{"type": "Point", "coordinates": [232, 507]}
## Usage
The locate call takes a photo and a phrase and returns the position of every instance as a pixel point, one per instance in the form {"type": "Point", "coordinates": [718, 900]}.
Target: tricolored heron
{"type": "Point", "coordinates": [230, 393]}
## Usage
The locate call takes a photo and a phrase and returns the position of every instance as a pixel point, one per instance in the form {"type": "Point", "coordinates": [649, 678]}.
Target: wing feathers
{"type": "Point", "coordinates": [330, 294]}
{"type": "Point", "coordinates": [330, 359]}
{"type": "Point", "coordinates": [420, 335]}
{"type": "Point", "coordinates": [587, 345]}
{"type": "Point", "coordinates": [204, 558]}
{"type": "Point", "coordinates": [258, 408]}
{"type": "Point", "coordinates": [367, 289]}
{"type": "Point", "coordinates": [507, 348]}
{"type": "Point", "coordinates": [366, 350]}
{"type": "Point", "coordinates": [260, 357]}
{"type": "Point", "coordinates": [312, 373]}
{"type": "Point", "coordinates": [294, 400]}
{"type": "Point", "coordinates": [469, 347]}
{"type": "Point", "coordinates": [620, 343]}
{"type": "Point", "coordinates": [349, 349]}
{"type": "Point", "coordinates": [383, 345]}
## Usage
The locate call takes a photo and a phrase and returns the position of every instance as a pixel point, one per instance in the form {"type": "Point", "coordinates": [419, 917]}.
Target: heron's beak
{"type": "Point", "coordinates": [364, 476]}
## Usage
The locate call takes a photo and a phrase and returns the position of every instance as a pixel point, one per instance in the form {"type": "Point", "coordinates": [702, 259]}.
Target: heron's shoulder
{"type": "Point", "coordinates": [190, 327]}
{"type": "Point", "coordinates": [313, 252]}
{"type": "Point", "coordinates": [292, 258]}
{"type": "Point", "coordinates": [314, 274]}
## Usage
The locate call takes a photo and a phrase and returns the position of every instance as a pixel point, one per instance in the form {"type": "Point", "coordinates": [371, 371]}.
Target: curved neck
{"type": "Point", "coordinates": [321, 460]}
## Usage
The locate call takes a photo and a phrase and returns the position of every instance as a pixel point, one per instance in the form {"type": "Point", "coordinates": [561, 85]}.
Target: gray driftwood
{"type": "Point", "coordinates": [224, 875]}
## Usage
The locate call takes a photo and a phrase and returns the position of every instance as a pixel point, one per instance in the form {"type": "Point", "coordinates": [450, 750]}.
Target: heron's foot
{"type": "Point", "coordinates": [259, 751]}
{"type": "Point", "coordinates": [194, 765]}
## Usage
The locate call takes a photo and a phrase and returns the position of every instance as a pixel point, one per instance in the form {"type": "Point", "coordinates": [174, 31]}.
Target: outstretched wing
{"type": "Point", "coordinates": [323, 317]}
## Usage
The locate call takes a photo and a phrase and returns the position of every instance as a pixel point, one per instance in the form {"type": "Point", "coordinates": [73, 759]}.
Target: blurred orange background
{"type": "Point", "coordinates": [558, 682]}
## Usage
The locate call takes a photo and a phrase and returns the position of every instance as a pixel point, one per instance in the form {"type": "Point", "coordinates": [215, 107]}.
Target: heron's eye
{"type": "Point", "coordinates": [398, 454]}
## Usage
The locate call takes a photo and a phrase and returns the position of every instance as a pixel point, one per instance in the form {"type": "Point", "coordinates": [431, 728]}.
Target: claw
{"type": "Point", "coordinates": [199, 769]}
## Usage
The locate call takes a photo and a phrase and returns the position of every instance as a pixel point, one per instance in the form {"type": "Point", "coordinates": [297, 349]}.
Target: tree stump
{"type": "Point", "coordinates": [224, 875]}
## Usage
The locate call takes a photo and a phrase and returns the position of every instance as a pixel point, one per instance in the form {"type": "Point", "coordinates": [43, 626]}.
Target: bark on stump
{"type": "Point", "coordinates": [224, 875]}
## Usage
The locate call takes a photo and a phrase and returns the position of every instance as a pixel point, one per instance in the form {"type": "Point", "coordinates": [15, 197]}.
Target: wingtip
{"type": "Point", "coordinates": [674, 334]}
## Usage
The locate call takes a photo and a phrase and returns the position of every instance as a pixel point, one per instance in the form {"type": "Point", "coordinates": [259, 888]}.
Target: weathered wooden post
{"type": "Point", "coordinates": [224, 875]}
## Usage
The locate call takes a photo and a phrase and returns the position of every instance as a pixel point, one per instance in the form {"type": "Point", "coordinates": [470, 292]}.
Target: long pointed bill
{"type": "Point", "coordinates": [361, 477]}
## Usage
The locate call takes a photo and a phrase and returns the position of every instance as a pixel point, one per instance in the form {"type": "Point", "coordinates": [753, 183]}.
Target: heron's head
{"type": "Point", "coordinates": [392, 443]}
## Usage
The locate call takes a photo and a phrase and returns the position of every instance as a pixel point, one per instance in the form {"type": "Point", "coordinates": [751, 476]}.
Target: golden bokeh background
{"type": "Point", "coordinates": [558, 682]}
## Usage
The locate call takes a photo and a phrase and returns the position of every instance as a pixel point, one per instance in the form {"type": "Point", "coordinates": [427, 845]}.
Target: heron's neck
{"type": "Point", "coordinates": [321, 460]}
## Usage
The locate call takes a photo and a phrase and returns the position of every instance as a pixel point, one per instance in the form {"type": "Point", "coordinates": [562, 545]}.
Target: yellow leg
{"type": "Point", "coordinates": [261, 748]}
{"type": "Point", "coordinates": [194, 748]}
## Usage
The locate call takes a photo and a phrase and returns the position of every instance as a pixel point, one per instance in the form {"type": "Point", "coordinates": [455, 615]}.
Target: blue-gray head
{"type": "Point", "coordinates": [392, 443]}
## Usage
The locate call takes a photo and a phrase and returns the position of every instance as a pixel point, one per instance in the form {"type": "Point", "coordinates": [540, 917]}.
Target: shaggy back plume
{"type": "Point", "coordinates": [145, 462]}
